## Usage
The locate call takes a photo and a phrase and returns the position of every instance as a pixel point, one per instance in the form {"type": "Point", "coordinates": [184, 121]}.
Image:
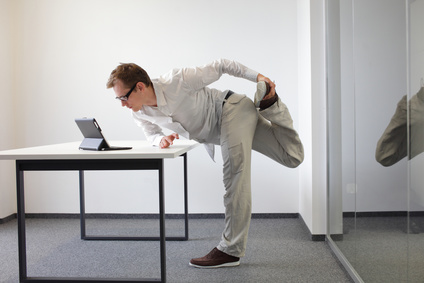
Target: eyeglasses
{"type": "Point", "coordinates": [125, 97]}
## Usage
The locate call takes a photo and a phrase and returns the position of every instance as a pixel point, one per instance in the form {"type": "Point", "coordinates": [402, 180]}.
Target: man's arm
{"type": "Point", "coordinates": [199, 77]}
{"type": "Point", "coordinates": [152, 131]}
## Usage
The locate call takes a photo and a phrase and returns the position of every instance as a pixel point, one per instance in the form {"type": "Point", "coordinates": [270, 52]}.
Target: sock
{"type": "Point", "coordinates": [265, 103]}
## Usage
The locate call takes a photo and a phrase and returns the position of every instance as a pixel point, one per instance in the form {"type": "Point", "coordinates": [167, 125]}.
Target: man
{"type": "Point", "coordinates": [181, 101]}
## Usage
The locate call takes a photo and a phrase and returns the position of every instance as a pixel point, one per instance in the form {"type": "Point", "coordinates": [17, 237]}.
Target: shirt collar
{"type": "Point", "coordinates": [160, 97]}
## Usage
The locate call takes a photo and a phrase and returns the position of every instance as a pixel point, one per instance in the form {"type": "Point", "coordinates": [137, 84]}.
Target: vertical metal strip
{"type": "Point", "coordinates": [21, 222]}
{"type": "Point", "coordinates": [185, 197]}
{"type": "Point", "coordinates": [82, 203]}
{"type": "Point", "coordinates": [162, 221]}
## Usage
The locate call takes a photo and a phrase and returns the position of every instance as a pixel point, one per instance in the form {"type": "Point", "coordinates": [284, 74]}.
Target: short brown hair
{"type": "Point", "coordinates": [129, 74]}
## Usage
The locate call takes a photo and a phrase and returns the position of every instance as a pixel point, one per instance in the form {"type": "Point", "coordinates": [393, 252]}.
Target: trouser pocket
{"type": "Point", "coordinates": [233, 157]}
{"type": "Point", "coordinates": [236, 158]}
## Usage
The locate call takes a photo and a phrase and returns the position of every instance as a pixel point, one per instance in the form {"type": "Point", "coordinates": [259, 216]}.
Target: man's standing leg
{"type": "Point", "coordinates": [239, 118]}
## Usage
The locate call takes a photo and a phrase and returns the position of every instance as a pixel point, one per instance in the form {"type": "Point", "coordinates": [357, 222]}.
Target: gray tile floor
{"type": "Point", "coordinates": [381, 249]}
{"type": "Point", "coordinates": [279, 250]}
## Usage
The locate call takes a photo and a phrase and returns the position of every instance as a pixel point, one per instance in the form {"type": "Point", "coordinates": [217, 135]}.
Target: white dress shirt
{"type": "Point", "coordinates": [185, 105]}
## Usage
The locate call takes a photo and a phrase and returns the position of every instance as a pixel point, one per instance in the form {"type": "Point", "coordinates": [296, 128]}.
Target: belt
{"type": "Point", "coordinates": [229, 93]}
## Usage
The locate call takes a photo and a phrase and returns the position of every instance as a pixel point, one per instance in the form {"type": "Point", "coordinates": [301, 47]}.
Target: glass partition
{"type": "Point", "coordinates": [375, 70]}
{"type": "Point", "coordinates": [415, 108]}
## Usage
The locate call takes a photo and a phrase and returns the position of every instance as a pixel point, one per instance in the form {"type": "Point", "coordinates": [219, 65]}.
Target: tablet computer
{"type": "Point", "coordinates": [93, 137]}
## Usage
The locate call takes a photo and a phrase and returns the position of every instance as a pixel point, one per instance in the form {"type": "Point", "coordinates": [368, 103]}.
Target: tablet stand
{"type": "Point", "coordinates": [93, 144]}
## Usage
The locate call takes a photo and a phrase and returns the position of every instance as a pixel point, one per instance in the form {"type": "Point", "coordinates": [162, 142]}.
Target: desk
{"type": "Point", "coordinates": [67, 157]}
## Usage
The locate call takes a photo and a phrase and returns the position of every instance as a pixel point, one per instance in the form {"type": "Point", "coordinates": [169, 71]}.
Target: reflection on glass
{"type": "Point", "coordinates": [376, 137]}
{"type": "Point", "coordinates": [393, 144]}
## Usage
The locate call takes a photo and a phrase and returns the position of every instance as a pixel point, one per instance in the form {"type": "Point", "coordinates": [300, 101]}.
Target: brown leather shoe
{"type": "Point", "coordinates": [215, 259]}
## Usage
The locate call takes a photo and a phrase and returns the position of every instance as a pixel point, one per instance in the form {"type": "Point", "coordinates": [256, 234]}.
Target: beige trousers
{"type": "Point", "coordinates": [244, 128]}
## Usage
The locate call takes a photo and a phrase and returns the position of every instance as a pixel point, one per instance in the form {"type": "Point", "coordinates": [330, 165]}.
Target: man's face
{"type": "Point", "coordinates": [133, 95]}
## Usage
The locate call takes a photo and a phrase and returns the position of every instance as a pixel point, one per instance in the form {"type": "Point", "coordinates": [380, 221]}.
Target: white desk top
{"type": "Point", "coordinates": [141, 150]}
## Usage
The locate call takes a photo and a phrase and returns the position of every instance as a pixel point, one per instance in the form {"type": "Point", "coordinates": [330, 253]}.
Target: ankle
{"type": "Point", "coordinates": [266, 103]}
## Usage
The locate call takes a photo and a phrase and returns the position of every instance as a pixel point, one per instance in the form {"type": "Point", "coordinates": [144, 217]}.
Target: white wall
{"type": "Point", "coordinates": [305, 90]}
{"type": "Point", "coordinates": [65, 51]}
{"type": "Point", "coordinates": [319, 118]}
{"type": "Point", "coordinates": [312, 105]}
{"type": "Point", "coordinates": [7, 121]}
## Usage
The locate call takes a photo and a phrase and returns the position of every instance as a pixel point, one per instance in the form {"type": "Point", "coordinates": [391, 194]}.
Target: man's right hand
{"type": "Point", "coordinates": [271, 84]}
{"type": "Point", "coordinates": [168, 140]}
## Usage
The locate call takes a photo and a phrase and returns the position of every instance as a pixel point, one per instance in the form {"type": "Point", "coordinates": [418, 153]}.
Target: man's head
{"type": "Point", "coordinates": [129, 74]}
{"type": "Point", "coordinates": [132, 85]}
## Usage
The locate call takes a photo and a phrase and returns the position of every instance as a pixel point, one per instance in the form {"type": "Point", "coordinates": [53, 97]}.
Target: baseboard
{"type": "Point", "coordinates": [366, 214]}
{"type": "Point", "coordinates": [156, 216]}
{"type": "Point", "coordinates": [313, 237]}
{"type": "Point", "coordinates": [8, 218]}
{"type": "Point", "coordinates": [143, 216]}
{"type": "Point", "coordinates": [383, 214]}
{"type": "Point", "coordinates": [275, 215]}
{"type": "Point", "coordinates": [337, 237]}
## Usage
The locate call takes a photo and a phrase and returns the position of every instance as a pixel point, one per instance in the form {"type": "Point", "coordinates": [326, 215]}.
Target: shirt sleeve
{"type": "Point", "coordinates": [152, 131]}
{"type": "Point", "coordinates": [200, 77]}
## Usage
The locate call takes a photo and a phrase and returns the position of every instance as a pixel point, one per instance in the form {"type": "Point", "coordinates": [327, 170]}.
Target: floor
{"type": "Point", "coordinates": [384, 249]}
{"type": "Point", "coordinates": [279, 250]}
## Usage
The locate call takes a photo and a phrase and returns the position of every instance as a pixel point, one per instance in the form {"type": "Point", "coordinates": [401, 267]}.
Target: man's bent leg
{"type": "Point", "coordinates": [275, 136]}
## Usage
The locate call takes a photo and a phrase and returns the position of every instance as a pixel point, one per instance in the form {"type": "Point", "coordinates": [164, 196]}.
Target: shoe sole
{"type": "Point", "coordinates": [228, 264]}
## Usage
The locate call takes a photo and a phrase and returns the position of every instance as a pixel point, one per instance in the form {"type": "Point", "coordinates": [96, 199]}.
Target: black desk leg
{"type": "Point", "coordinates": [185, 197]}
{"type": "Point", "coordinates": [84, 235]}
{"type": "Point", "coordinates": [21, 223]}
{"type": "Point", "coordinates": [23, 277]}
{"type": "Point", "coordinates": [82, 203]}
{"type": "Point", "coordinates": [162, 222]}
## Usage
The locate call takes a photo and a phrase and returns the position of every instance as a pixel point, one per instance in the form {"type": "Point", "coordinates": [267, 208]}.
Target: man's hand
{"type": "Point", "coordinates": [271, 84]}
{"type": "Point", "coordinates": [266, 79]}
{"type": "Point", "coordinates": [168, 140]}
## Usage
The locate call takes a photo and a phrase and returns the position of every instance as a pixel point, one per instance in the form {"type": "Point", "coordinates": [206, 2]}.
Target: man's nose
{"type": "Point", "coordinates": [123, 103]}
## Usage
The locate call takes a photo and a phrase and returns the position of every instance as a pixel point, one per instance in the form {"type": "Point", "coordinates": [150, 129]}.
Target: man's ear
{"type": "Point", "coordinates": [140, 86]}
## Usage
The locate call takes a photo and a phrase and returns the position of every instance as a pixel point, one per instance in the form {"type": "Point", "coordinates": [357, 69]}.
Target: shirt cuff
{"type": "Point", "coordinates": [251, 75]}
{"type": "Point", "coordinates": [156, 140]}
